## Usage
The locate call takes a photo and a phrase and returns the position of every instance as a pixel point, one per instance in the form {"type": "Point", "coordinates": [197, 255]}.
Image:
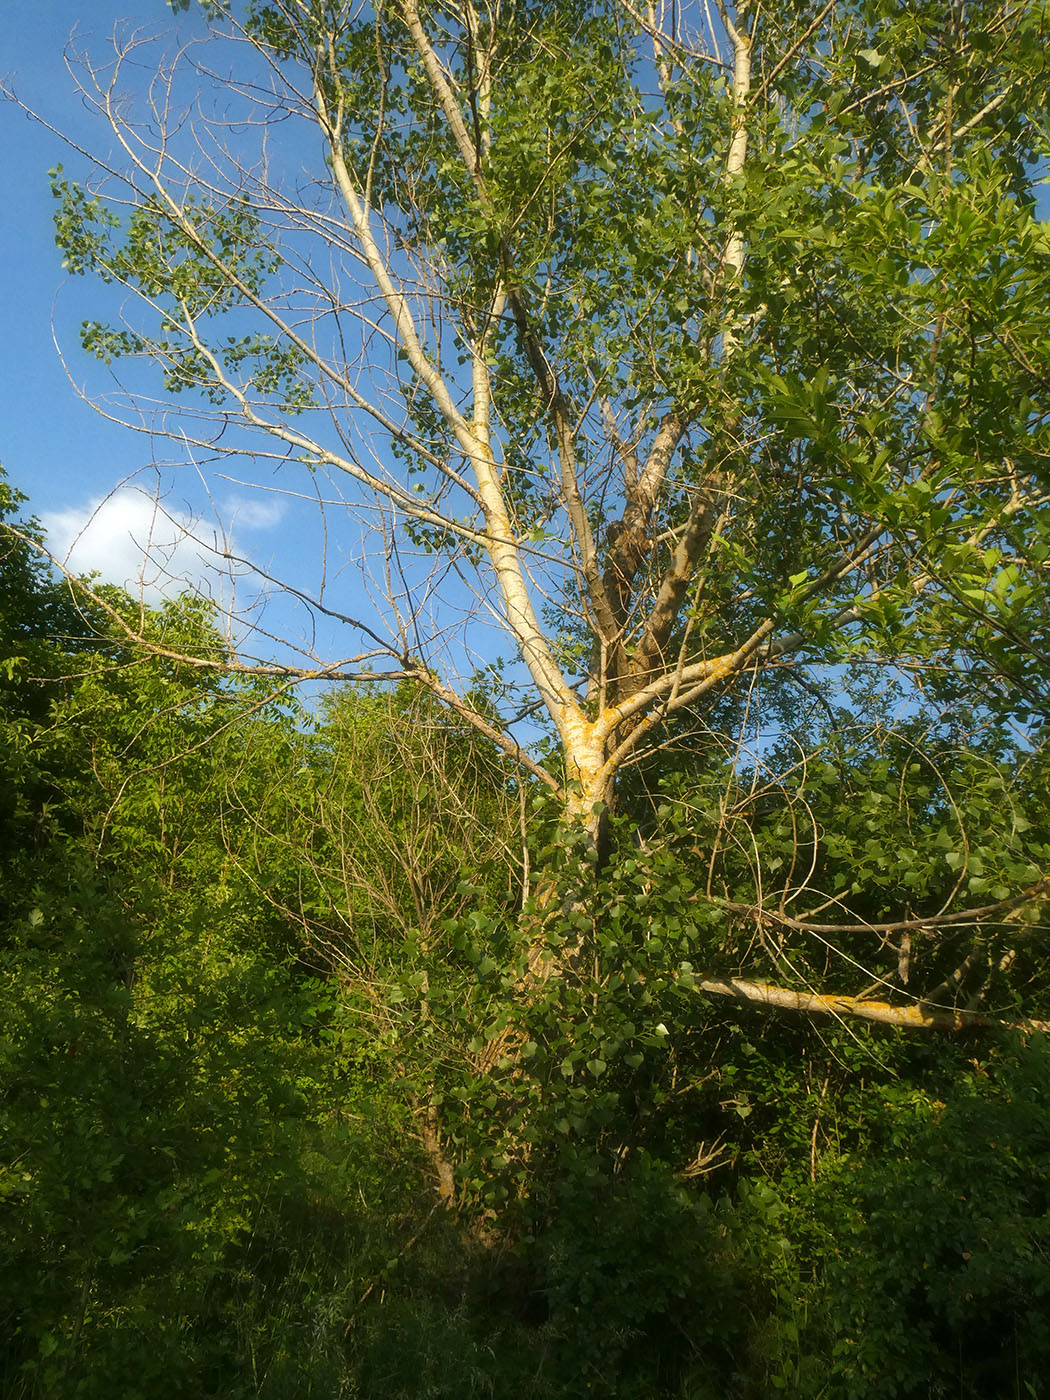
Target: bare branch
{"type": "Point", "coordinates": [917, 1016]}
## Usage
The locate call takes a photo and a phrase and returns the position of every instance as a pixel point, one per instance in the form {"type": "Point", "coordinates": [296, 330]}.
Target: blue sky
{"type": "Point", "coordinates": [94, 484]}
{"type": "Point", "coordinates": [90, 481]}
{"type": "Point", "coordinates": [54, 446]}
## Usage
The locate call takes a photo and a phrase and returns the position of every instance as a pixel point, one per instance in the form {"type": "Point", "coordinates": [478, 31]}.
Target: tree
{"type": "Point", "coordinates": [705, 353]}
{"type": "Point", "coordinates": [202, 1182]}
{"type": "Point", "coordinates": [194, 1189]}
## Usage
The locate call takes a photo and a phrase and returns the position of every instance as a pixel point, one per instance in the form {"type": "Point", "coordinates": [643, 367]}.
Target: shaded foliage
{"type": "Point", "coordinates": [246, 949]}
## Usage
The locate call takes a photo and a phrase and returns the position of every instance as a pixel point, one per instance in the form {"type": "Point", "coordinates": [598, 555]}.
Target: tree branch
{"type": "Point", "coordinates": [918, 1016]}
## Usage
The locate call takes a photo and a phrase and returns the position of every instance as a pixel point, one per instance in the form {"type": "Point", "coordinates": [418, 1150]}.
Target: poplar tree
{"type": "Point", "coordinates": [705, 345]}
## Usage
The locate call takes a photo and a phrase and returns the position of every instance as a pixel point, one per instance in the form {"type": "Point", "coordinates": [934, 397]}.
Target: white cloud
{"type": "Point", "coordinates": [130, 539]}
{"type": "Point", "coordinates": [255, 512]}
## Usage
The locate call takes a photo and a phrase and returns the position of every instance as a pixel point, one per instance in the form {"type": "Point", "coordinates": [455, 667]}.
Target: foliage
{"type": "Point", "coordinates": [162, 1108]}
{"type": "Point", "coordinates": [707, 356]}
{"type": "Point", "coordinates": [215, 1179]}
{"type": "Point", "coordinates": [700, 345]}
